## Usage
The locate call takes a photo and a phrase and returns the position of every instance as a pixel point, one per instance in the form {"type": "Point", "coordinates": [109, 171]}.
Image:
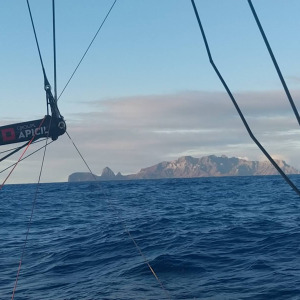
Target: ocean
{"type": "Point", "coordinates": [205, 238]}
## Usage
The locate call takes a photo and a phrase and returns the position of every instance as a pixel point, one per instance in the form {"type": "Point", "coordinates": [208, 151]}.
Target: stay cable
{"type": "Point", "coordinates": [20, 158]}
{"type": "Point", "coordinates": [237, 107]}
{"type": "Point", "coordinates": [122, 222]}
{"type": "Point", "coordinates": [88, 48]}
{"type": "Point", "coordinates": [287, 92]}
{"type": "Point", "coordinates": [30, 221]}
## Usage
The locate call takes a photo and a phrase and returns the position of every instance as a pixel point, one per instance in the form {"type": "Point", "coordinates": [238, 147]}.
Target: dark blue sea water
{"type": "Point", "coordinates": [207, 238]}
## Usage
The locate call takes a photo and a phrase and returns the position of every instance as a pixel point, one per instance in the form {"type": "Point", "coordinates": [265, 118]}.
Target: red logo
{"type": "Point", "coordinates": [8, 134]}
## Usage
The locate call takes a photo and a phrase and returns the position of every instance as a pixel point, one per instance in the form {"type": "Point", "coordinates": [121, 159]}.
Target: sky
{"type": "Point", "coordinates": [145, 92]}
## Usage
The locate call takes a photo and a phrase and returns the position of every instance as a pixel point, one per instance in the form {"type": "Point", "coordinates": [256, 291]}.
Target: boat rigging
{"type": "Point", "coordinates": [52, 125]}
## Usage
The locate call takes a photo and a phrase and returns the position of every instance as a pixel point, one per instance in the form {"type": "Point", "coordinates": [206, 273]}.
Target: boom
{"type": "Point", "coordinates": [22, 132]}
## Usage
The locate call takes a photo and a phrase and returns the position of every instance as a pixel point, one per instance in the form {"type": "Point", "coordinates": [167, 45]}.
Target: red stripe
{"type": "Point", "coordinates": [22, 155]}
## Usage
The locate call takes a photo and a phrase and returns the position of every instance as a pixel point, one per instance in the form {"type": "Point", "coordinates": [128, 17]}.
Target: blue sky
{"type": "Point", "coordinates": [141, 95]}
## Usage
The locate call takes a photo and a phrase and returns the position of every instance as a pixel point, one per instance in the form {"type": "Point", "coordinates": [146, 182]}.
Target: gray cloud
{"type": "Point", "coordinates": [129, 133]}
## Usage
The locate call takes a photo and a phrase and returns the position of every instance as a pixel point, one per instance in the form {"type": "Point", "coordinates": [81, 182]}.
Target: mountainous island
{"type": "Point", "coordinates": [190, 167]}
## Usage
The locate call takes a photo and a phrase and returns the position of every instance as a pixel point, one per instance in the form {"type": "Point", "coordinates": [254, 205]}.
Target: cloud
{"type": "Point", "coordinates": [153, 126]}
{"type": "Point", "coordinates": [130, 133]}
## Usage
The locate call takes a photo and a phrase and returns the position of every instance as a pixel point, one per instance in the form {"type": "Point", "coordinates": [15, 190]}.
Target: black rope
{"type": "Point", "coordinates": [237, 107]}
{"type": "Point", "coordinates": [46, 82]}
{"type": "Point", "coordinates": [54, 50]}
{"type": "Point", "coordinates": [95, 178]}
{"type": "Point", "coordinates": [37, 141]}
{"type": "Point", "coordinates": [36, 39]}
{"type": "Point", "coordinates": [124, 226]}
{"type": "Point", "coordinates": [88, 48]}
{"type": "Point", "coordinates": [275, 62]}
{"type": "Point", "coordinates": [27, 156]}
{"type": "Point", "coordinates": [15, 150]}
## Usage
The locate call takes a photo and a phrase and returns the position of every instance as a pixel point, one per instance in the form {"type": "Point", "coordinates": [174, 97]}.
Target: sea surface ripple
{"type": "Point", "coordinates": [206, 238]}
